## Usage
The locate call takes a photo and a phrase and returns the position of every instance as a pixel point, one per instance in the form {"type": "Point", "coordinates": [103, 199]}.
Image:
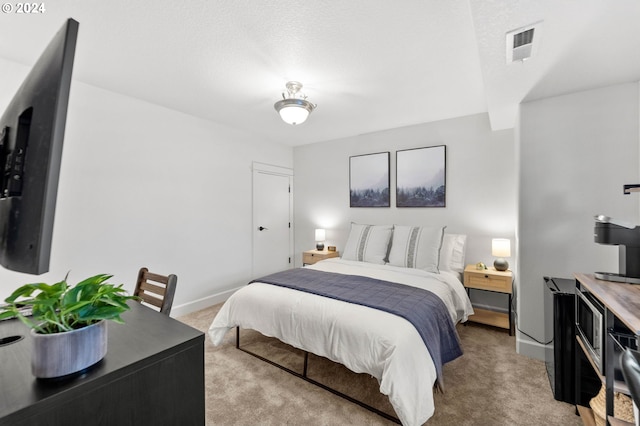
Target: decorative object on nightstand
{"type": "Point", "coordinates": [320, 237]}
{"type": "Point", "coordinates": [501, 248]}
{"type": "Point", "coordinates": [310, 257]}
{"type": "Point", "coordinates": [494, 281]}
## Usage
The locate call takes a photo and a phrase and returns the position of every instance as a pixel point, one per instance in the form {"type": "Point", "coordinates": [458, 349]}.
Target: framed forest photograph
{"type": "Point", "coordinates": [369, 180]}
{"type": "Point", "coordinates": [420, 177]}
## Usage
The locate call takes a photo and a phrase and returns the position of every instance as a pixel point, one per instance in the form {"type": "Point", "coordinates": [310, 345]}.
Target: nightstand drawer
{"type": "Point", "coordinates": [483, 281]}
{"type": "Point", "coordinates": [310, 258]}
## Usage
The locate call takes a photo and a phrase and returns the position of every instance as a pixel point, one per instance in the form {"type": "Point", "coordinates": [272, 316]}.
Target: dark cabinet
{"type": "Point", "coordinates": [561, 358]}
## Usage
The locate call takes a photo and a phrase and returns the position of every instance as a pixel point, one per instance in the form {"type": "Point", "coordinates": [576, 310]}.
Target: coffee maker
{"type": "Point", "coordinates": [627, 237]}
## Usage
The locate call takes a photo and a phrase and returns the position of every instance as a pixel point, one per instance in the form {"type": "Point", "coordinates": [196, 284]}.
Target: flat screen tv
{"type": "Point", "coordinates": [31, 138]}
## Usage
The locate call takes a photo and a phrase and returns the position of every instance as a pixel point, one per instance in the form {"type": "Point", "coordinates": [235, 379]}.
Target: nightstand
{"type": "Point", "coordinates": [310, 257]}
{"type": "Point", "coordinates": [494, 281]}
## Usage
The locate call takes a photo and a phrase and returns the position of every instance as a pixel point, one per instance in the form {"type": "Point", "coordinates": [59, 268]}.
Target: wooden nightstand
{"type": "Point", "coordinates": [489, 280]}
{"type": "Point", "coordinates": [310, 257]}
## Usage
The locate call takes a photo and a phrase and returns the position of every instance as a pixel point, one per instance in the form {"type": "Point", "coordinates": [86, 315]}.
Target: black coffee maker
{"type": "Point", "coordinates": [627, 237]}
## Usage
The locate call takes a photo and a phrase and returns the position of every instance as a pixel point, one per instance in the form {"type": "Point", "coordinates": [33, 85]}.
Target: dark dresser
{"type": "Point", "coordinates": [153, 373]}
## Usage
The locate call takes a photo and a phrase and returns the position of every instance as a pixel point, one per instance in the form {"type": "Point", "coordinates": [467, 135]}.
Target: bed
{"type": "Point", "coordinates": [365, 340]}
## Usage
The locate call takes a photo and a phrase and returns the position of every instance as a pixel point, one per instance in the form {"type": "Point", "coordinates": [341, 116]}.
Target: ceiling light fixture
{"type": "Point", "coordinates": [294, 108]}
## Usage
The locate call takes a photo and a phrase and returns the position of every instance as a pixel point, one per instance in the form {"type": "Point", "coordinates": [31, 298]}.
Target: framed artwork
{"type": "Point", "coordinates": [369, 180]}
{"type": "Point", "coordinates": [420, 177]}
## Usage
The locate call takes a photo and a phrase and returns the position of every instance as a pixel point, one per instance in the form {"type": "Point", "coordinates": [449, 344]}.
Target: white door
{"type": "Point", "coordinates": [272, 219]}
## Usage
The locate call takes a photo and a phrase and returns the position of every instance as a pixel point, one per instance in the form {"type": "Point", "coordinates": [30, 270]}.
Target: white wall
{"type": "Point", "coordinates": [142, 185]}
{"type": "Point", "coordinates": [576, 152]}
{"type": "Point", "coordinates": [480, 183]}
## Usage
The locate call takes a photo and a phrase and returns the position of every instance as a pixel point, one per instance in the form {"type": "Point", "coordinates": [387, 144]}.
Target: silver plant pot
{"type": "Point", "coordinates": [61, 354]}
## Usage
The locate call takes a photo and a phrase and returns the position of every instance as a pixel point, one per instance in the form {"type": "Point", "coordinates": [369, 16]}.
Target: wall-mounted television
{"type": "Point", "coordinates": [31, 138]}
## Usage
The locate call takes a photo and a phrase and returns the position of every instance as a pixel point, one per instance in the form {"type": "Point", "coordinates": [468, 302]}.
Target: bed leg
{"type": "Point", "coordinates": [304, 376]}
{"type": "Point", "coordinates": [306, 363]}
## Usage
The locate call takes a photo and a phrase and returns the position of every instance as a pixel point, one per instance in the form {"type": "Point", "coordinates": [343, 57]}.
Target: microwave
{"type": "Point", "coordinates": [590, 325]}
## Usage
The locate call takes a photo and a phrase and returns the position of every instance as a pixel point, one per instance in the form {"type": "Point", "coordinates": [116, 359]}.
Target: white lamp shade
{"type": "Point", "coordinates": [320, 234]}
{"type": "Point", "coordinates": [501, 247]}
{"type": "Point", "coordinates": [294, 114]}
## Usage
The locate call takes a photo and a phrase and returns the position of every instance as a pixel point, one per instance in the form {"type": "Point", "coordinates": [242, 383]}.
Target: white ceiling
{"type": "Point", "coordinates": [370, 65]}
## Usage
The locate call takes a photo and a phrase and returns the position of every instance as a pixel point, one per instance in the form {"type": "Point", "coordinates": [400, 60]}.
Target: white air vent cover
{"type": "Point", "coordinates": [523, 42]}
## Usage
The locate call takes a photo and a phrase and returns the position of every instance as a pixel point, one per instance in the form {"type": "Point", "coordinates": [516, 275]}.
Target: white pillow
{"type": "Point", "coordinates": [452, 253]}
{"type": "Point", "coordinates": [368, 243]}
{"type": "Point", "coordinates": [416, 247]}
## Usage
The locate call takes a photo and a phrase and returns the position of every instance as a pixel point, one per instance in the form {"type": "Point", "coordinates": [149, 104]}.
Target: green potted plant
{"type": "Point", "coordinates": [68, 323]}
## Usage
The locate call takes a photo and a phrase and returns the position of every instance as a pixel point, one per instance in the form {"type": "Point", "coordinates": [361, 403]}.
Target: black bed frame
{"type": "Point", "coordinates": [305, 377]}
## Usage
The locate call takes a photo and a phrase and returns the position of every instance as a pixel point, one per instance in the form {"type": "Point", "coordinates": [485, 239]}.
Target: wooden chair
{"type": "Point", "coordinates": [156, 290]}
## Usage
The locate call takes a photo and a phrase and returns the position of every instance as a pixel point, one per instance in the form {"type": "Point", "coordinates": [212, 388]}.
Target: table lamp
{"type": "Point", "coordinates": [501, 248]}
{"type": "Point", "coordinates": [320, 237]}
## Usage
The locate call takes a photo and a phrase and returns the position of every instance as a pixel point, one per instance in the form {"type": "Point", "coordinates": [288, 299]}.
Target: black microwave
{"type": "Point", "coordinates": [590, 325]}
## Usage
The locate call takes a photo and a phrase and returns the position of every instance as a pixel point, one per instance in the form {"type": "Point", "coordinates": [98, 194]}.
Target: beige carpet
{"type": "Point", "coordinates": [489, 385]}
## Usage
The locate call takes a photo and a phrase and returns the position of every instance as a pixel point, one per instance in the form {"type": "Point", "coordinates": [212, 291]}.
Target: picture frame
{"type": "Point", "coordinates": [421, 177]}
{"type": "Point", "coordinates": [369, 180]}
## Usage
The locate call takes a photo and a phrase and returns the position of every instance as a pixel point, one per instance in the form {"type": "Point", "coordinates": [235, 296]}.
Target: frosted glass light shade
{"type": "Point", "coordinates": [294, 114]}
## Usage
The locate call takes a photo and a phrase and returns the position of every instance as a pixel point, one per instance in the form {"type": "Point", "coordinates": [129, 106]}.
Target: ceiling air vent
{"type": "Point", "coordinates": [522, 43]}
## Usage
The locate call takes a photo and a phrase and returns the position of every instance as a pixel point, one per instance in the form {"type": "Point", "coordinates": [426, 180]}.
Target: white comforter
{"type": "Point", "coordinates": [363, 339]}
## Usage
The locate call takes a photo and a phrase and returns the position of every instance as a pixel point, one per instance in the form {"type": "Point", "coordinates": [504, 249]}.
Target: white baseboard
{"type": "Point", "coordinates": [205, 302]}
{"type": "Point", "coordinates": [527, 347]}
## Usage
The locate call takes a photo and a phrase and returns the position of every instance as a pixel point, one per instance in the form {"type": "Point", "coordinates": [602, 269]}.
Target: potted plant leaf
{"type": "Point", "coordinates": [68, 323]}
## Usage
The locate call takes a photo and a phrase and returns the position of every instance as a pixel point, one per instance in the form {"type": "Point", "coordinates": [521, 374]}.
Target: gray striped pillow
{"type": "Point", "coordinates": [368, 243]}
{"type": "Point", "coordinates": [416, 247]}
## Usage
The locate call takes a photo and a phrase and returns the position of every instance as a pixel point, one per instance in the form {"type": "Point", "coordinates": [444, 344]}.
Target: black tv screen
{"type": "Point", "coordinates": [31, 138]}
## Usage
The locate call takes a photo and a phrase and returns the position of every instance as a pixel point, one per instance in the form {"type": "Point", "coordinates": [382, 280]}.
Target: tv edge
{"type": "Point", "coordinates": [31, 138]}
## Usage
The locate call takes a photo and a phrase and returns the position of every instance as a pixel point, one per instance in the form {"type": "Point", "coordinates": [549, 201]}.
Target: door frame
{"type": "Point", "coordinates": [271, 169]}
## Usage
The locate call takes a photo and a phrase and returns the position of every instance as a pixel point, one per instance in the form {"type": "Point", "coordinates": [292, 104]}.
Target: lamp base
{"type": "Point", "coordinates": [500, 264]}
{"type": "Point", "coordinates": [319, 246]}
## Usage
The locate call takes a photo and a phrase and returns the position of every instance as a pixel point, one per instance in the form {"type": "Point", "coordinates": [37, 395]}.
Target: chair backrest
{"type": "Point", "coordinates": [156, 290]}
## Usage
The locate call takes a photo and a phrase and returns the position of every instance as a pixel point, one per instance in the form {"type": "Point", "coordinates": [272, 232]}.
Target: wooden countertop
{"type": "Point", "coordinates": [620, 298]}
